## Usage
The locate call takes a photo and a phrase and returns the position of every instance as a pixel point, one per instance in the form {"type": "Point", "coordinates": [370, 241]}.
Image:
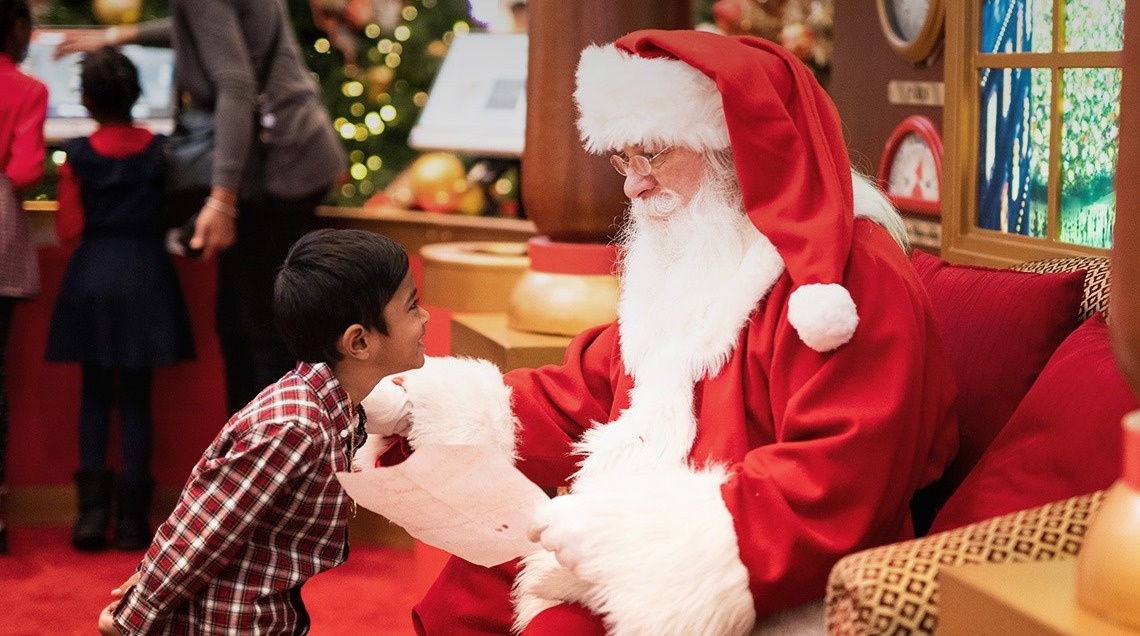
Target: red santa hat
{"type": "Point", "coordinates": [704, 91]}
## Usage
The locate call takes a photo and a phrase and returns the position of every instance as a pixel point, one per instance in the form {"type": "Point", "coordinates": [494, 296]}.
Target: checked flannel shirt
{"type": "Point", "coordinates": [261, 513]}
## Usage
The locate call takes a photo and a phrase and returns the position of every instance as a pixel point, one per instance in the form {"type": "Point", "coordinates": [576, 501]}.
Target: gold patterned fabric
{"type": "Point", "coordinates": [893, 589]}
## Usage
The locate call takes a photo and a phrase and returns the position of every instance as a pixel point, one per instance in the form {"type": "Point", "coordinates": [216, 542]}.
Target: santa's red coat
{"type": "Point", "coordinates": [823, 450]}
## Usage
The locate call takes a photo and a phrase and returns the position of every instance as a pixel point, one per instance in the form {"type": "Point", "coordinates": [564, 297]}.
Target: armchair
{"type": "Point", "coordinates": [1041, 401]}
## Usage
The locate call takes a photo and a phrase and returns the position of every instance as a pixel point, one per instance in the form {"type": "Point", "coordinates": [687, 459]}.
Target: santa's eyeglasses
{"type": "Point", "coordinates": [640, 164]}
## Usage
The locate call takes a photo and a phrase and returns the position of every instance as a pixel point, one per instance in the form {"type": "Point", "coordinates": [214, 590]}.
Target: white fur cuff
{"type": "Point", "coordinates": [659, 557]}
{"type": "Point", "coordinates": [460, 401]}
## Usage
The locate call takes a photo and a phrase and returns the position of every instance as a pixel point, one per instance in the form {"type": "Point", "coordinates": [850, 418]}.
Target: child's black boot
{"type": "Point", "coordinates": [93, 491]}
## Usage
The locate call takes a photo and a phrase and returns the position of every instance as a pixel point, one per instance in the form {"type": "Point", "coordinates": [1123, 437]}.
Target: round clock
{"type": "Point", "coordinates": [911, 168]}
{"type": "Point", "coordinates": [913, 28]}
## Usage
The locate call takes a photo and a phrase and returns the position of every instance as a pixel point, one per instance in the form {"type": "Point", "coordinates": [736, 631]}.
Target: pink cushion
{"type": "Point", "coordinates": [999, 328]}
{"type": "Point", "coordinates": [1064, 439]}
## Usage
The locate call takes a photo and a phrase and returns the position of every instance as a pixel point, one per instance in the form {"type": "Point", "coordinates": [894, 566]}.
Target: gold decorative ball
{"type": "Point", "coordinates": [472, 202]}
{"type": "Point", "coordinates": [437, 180]}
{"type": "Point", "coordinates": [117, 11]}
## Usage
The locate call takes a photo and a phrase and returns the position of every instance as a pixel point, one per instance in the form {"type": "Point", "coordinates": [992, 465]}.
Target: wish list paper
{"type": "Point", "coordinates": [465, 499]}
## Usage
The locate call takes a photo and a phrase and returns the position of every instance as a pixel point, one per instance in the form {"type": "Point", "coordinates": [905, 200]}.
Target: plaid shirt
{"type": "Point", "coordinates": [261, 513]}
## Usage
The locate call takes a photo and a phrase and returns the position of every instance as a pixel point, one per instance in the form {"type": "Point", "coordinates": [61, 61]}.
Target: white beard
{"type": "Point", "coordinates": [682, 269]}
{"type": "Point", "coordinates": [692, 276]}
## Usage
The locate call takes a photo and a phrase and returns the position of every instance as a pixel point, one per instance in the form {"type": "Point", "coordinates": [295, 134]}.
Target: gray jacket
{"type": "Point", "coordinates": [219, 48]}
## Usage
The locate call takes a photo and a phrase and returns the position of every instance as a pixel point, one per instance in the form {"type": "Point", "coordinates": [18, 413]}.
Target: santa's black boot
{"type": "Point", "coordinates": [132, 521]}
{"type": "Point", "coordinates": [93, 491]}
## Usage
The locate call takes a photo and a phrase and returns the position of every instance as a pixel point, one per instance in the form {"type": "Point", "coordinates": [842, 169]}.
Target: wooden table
{"type": "Point", "coordinates": [1017, 599]}
{"type": "Point", "coordinates": [486, 335]}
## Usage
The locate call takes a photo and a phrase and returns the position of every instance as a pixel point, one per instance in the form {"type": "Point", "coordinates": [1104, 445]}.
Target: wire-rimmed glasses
{"type": "Point", "coordinates": [640, 164]}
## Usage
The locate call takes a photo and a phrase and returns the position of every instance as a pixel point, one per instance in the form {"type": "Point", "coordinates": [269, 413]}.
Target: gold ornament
{"type": "Point", "coordinates": [437, 180]}
{"type": "Point", "coordinates": [117, 11]}
{"type": "Point", "coordinates": [472, 202]}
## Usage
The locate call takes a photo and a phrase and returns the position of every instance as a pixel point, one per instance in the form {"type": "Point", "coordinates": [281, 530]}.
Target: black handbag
{"type": "Point", "coordinates": [189, 157]}
{"type": "Point", "coordinates": [189, 152]}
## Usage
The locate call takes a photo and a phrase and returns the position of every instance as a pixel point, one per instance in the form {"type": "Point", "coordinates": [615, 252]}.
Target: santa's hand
{"type": "Point", "coordinates": [387, 410]}
{"type": "Point", "coordinates": [560, 527]}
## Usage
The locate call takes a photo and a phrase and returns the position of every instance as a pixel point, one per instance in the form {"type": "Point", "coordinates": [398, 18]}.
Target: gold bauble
{"type": "Point", "coordinates": [472, 202]}
{"type": "Point", "coordinates": [117, 11]}
{"type": "Point", "coordinates": [437, 180]}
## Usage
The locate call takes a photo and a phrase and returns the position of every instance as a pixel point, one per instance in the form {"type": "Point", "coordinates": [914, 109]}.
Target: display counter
{"type": "Point", "coordinates": [413, 229]}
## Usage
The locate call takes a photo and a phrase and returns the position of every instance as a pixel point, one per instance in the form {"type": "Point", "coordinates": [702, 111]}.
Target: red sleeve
{"type": "Point", "coordinates": [858, 430]}
{"type": "Point", "coordinates": [69, 217]}
{"type": "Point", "coordinates": [555, 404]}
{"type": "Point", "coordinates": [26, 165]}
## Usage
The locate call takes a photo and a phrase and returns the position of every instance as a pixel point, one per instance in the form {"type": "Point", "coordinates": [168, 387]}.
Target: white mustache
{"type": "Point", "coordinates": [660, 206]}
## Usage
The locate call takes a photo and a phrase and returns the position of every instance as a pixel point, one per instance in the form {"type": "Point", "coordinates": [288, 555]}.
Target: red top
{"type": "Point", "coordinates": [23, 107]}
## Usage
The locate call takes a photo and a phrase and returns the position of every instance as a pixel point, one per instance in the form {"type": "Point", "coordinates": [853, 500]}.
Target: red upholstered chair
{"type": "Point", "coordinates": [1040, 408]}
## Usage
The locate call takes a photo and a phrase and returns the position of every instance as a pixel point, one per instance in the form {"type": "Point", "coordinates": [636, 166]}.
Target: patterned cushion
{"type": "Point", "coordinates": [1097, 278]}
{"type": "Point", "coordinates": [893, 589]}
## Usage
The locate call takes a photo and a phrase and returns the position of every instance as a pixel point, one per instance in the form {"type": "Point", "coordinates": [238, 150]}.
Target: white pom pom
{"type": "Point", "coordinates": [823, 314]}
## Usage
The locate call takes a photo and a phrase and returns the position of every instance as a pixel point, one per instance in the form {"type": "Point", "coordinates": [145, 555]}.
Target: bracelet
{"type": "Point", "coordinates": [112, 35]}
{"type": "Point", "coordinates": [225, 208]}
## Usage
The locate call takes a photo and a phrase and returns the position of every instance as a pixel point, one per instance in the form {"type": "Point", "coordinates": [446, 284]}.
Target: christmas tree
{"type": "Point", "coordinates": [375, 60]}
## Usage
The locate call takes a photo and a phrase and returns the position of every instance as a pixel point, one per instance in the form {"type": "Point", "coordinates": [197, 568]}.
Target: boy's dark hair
{"type": "Point", "coordinates": [11, 12]}
{"type": "Point", "coordinates": [330, 280]}
{"type": "Point", "coordinates": [110, 84]}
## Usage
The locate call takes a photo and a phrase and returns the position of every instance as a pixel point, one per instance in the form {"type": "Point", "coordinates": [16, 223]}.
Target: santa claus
{"type": "Point", "coordinates": [770, 397]}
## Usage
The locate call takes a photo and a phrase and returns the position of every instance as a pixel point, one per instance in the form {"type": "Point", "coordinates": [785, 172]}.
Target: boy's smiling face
{"type": "Point", "coordinates": [403, 347]}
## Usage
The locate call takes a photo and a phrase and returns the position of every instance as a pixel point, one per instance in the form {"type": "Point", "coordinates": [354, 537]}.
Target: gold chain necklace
{"type": "Point", "coordinates": [351, 455]}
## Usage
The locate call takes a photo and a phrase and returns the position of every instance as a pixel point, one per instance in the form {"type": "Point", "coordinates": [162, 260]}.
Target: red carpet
{"type": "Point", "coordinates": [50, 589]}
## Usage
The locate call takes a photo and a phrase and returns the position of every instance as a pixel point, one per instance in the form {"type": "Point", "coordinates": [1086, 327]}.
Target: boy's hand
{"type": "Point", "coordinates": [387, 411]}
{"type": "Point", "coordinates": [107, 621]}
{"type": "Point", "coordinates": [107, 616]}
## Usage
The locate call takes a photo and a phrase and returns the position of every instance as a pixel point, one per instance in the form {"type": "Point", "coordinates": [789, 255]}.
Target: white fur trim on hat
{"type": "Point", "coordinates": [823, 314]}
{"type": "Point", "coordinates": [625, 99]}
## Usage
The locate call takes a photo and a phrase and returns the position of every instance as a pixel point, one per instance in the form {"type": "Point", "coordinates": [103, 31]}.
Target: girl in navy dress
{"type": "Point", "coordinates": [120, 311]}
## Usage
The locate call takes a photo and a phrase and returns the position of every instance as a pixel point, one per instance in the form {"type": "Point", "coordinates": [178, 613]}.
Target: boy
{"type": "Point", "coordinates": [262, 511]}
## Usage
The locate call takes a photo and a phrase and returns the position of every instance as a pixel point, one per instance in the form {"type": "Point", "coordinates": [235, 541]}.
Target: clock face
{"type": "Point", "coordinates": [914, 173]}
{"type": "Point", "coordinates": [908, 17]}
{"type": "Point", "coordinates": [913, 28]}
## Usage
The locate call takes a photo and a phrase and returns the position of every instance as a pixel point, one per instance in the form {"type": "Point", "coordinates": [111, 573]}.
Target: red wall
{"type": "Point", "coordinates": [189, 404]}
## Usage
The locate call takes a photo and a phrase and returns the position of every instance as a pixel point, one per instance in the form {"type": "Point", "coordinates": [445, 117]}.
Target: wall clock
{"type": "Point", "coordinates": [910, 170]}
{"type": "Point", "coordinates": [913, 28]}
